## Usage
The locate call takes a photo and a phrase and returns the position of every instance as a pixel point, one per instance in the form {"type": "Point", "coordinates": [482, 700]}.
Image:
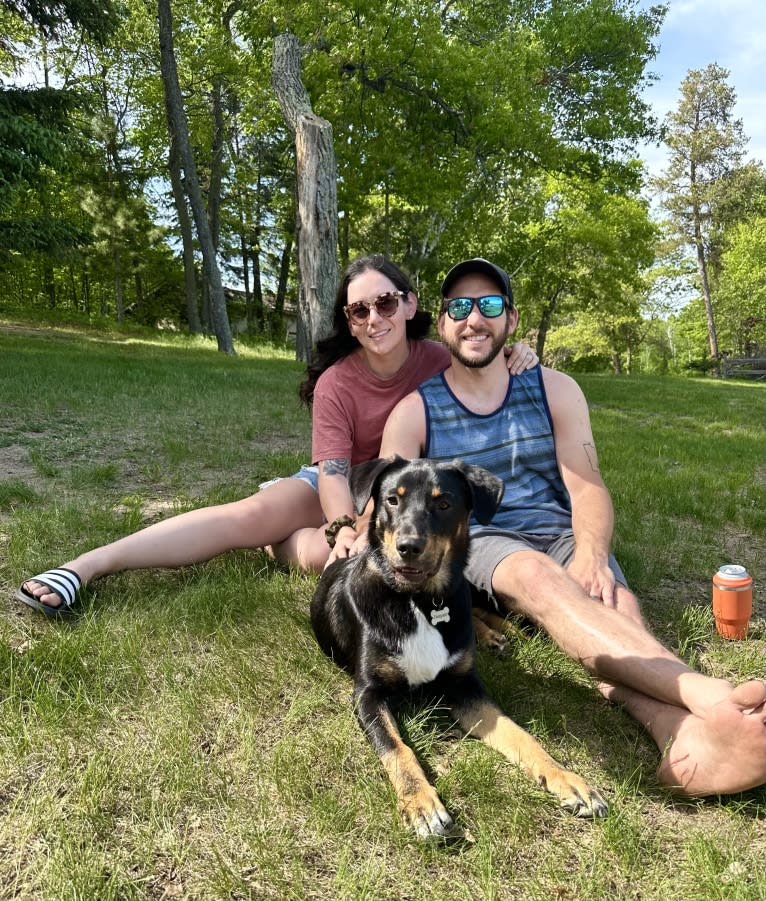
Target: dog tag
{"type": "Point", "coordinates": [440, 616]}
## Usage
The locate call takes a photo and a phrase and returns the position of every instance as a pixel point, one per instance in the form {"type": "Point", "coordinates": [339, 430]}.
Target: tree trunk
{"type": "Point", "coordinates": [187, 239]}
{"type": "Point", "coordinates": [180, 132]}
{"type": "Point", "coordinates": [702, 270]}
{"type": "Point", "coordinates": [216, 162]}
{"type": "Point", "coordinates": [119, 292]}
{"type": "Point", "coordinates": [545, 323]}
{"type": "Point", "coordinates": [284, 272]}
{"type": "Point", "coordinates": [316, 231]}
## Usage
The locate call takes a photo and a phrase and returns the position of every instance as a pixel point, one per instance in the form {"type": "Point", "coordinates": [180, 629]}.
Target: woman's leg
{"type": "Point", "coordinates": [305, 548]}
{"type": "Point", "coordinates": [262, 519]}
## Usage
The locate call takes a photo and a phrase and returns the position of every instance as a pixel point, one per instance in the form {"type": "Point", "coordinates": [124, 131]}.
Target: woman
{"type": "Point", "coordinates": [376, 355]}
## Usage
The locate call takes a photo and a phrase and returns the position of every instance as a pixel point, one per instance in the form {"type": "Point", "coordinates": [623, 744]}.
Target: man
{"type": "Point", "coordinates": [546, 554]}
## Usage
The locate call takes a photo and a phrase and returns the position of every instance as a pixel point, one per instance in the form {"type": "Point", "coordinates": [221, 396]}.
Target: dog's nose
{"type": "Point", "coordinates": [410, 546]}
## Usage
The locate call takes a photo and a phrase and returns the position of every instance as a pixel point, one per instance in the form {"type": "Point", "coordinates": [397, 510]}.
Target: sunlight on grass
{"type": "Point", "coordinates": [186, 738]}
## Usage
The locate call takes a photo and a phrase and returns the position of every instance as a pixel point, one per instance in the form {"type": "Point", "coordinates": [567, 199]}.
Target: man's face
{"type": "Point", "coordinates": [476, 340]}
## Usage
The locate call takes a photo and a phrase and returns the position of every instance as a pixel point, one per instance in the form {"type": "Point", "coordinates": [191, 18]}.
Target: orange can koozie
{"type": "Point", "coordinates": [732, 601]}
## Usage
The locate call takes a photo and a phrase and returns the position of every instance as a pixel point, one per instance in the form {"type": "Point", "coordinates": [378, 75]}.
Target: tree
{"type": "Point", "coordinates": [706, 145]}
{"type": "Point", "coordinates": [583, 252]}
{"type": "Point", "coordinates": [742, 287]}
{"type": "Point", "coordinates": [316, 203]}
{"type": "Point", "coordinates": [179, 133]}
{"type": "Point", "coordinates": [36, 124]}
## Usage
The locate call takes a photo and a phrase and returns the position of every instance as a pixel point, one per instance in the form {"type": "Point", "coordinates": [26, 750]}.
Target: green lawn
{"type": "Point", "coordinates": [186, 738]}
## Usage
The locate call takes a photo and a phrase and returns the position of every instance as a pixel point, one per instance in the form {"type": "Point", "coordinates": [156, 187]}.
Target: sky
{"type": "Point", "coordinates": [695, 33]}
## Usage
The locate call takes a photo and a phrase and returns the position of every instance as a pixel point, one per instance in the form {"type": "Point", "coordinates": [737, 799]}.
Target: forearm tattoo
{"type": "Point", "coordinates": [590, 453]}
{"type": "Point", "coordinates": [336, 467]}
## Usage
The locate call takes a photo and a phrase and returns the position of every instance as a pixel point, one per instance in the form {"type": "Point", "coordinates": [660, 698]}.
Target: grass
{"type": "Point", "coordinates": [185, 738]}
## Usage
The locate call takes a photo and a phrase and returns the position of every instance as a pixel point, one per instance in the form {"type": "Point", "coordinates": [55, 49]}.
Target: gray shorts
{"type": "Point", "coordinates": [307, 474]}
{"type": "Point", "coordinates": [489, 547]}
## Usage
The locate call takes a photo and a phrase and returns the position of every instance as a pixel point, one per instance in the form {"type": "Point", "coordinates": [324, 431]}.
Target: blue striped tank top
{"type": "Point", "coordinates": [515, 443]}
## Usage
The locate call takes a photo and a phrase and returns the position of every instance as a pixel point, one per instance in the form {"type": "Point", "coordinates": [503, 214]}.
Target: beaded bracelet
{"type": "Point", "coordinates": [331, 532]}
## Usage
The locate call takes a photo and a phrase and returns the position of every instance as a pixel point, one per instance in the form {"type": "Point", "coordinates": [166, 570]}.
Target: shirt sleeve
{"type": "Point", "coordinates": [332, 435]}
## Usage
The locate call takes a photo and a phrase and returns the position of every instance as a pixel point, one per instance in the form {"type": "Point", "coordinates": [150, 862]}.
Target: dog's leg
{"type": "Point", "coordinates": [480, 717]}
{"type": "Point", "coordinates": [489, 631]}
{"type": "Point", "coordinates": [419, 805]}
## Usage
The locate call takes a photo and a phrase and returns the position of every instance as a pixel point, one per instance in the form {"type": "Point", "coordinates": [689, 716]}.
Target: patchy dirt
{"type": "Point", "coordinates": [15, 466]}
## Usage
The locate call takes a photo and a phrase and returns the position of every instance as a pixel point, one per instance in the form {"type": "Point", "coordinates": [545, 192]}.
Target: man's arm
{"type": "Point", "coordinates": [405, 431]}
{"type": "Point", "coordinates": [592, 511]}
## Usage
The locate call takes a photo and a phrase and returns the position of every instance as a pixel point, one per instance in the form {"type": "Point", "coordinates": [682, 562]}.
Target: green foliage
{"type": "Point", "coordinates": [742, 288]}
{"type": "Point", "coordinates": [483, 99]}
{"type": "Point", "coordinates": [32, 126]}
{"type": "Point", "coordinates": [96, 18]}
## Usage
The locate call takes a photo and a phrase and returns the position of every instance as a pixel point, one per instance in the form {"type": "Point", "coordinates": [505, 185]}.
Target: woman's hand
{"type": "Point", "coordinates": [344, 542]}
{"type": "Point", "coordinates": [520, 357]}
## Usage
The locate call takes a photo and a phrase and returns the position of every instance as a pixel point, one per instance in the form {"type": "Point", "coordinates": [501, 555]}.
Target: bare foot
{"type": "Point", "coordinates": [723, 753]}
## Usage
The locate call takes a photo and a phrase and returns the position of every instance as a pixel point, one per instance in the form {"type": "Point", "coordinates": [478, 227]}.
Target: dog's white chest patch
{"type": "Point", "coordinates": [423, 654]}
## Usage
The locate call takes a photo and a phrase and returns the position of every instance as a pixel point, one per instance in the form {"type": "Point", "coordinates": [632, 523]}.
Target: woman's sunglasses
{"type": "Point", "coordinates": [459, 308]}
{"type": "Point", "coordinates": [385, 305]}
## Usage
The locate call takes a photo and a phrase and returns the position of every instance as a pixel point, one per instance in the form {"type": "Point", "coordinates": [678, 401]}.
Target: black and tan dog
{"type": "Point", "coordinates": [398, 616]}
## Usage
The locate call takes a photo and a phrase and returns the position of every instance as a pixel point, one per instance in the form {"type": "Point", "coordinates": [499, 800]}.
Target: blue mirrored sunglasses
{"type": "Point", "coordinates": [491, 306]}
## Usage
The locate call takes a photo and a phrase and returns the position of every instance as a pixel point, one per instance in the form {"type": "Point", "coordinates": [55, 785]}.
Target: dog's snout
{"type": "Point", "coordinates": [410, 545]}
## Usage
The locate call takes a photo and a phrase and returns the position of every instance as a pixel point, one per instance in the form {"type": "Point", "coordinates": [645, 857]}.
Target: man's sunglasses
{"type": "Point", "coordinates": [385, 305]}
{"type": "Point", "coordinates": [491, 306]}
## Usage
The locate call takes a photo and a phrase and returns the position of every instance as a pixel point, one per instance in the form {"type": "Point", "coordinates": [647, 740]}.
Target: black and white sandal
{"type": "Point", "coordinates": [63, 582]}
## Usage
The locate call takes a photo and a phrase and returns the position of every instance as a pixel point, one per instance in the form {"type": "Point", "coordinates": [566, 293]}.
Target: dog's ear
{"type": "Point", "coordinates": [363, 477]}
{"type": "Point", "coordinates": [486, 490]}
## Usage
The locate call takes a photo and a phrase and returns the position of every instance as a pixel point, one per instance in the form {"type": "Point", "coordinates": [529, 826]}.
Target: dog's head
{"type": "Point", "coordinates": [419, 526]}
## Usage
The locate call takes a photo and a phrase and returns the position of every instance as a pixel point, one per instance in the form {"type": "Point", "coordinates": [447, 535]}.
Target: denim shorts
{"type": "Point", "coordinates": [307, 474]}
{"type": "Point", "coordinates": [489, 547]}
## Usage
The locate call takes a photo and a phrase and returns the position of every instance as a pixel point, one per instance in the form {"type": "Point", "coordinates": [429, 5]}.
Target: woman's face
{"type": "Point", "coordinates": [380, 335]}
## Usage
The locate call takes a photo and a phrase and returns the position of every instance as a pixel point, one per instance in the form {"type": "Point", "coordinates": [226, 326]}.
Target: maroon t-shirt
{"type": "Point", "coordinates": [351, 404]}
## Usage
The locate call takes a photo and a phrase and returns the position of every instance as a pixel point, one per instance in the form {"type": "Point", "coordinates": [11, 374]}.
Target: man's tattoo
{"type": "Point", "coordinates": [336, 467]}
{"type": "Point", "coordinates": [590, 453]}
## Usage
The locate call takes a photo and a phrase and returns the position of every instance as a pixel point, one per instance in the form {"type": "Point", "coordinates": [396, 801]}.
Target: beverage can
{"type": "Point", "coordinates": [732, 600]}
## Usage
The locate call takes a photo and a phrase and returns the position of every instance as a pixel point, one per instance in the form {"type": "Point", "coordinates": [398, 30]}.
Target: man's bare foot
{"type": "Point", "coordinates": [723, 753]}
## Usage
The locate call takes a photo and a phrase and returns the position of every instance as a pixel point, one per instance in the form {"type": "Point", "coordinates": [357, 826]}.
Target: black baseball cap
{"type": "Point", "coordinates": [478, 264]}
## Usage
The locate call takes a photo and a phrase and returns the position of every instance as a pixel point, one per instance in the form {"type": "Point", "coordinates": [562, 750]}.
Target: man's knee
{"type": "Point", "coordinates": [527, 578]}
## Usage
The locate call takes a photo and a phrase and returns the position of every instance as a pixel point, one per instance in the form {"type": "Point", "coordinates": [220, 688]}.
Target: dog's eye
{"type": "Point", "coordinates": [443, 504]}
{"type": "Point", "coordinates": [392, 500]}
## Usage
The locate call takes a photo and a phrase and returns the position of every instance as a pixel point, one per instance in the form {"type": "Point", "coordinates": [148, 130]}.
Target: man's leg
{"type": "Point", "coordinates": [694, 715]}
{"type": "Point", "coordinates": [264, 518]}
{"type": "Point", "coordinates": [723, 753]}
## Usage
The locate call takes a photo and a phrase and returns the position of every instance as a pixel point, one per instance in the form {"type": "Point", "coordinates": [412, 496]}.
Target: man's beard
{"type": "Point", "coordinates": [454, 347]}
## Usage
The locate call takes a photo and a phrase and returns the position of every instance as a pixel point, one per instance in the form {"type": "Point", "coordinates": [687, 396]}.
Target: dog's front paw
{"type": "Point", "coordinates": [490, 639]}
{"type": "Point", "coordinates": [575, 794]}
{"type": "Point", "coordinates": [424, 813]}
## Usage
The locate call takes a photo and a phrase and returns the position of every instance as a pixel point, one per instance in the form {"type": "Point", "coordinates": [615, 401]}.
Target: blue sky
{"type": "Point", "coordinates": [731, 33]}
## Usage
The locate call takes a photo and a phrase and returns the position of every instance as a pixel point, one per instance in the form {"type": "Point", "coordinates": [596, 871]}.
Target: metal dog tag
{"type": "Point", "coordinates": [440, 616]}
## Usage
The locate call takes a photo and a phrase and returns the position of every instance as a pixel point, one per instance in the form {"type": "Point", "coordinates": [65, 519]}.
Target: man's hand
{"type": "Point", "coordinates": [519, 357]}
{"type": "Point", "coordinates": [594, 576]}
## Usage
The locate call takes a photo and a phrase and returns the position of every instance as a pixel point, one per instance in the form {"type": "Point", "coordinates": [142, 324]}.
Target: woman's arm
{"type": "Point", "coordinates": [336, 502]}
